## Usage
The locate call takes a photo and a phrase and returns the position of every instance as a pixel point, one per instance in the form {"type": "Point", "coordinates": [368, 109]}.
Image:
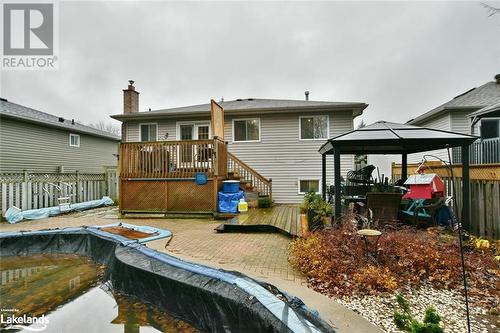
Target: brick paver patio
{"type": "Point", "coordinates": [259, 255]}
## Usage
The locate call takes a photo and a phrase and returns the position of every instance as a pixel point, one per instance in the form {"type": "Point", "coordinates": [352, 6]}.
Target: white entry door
{"type": "Point", "coordinates": [191, 131]}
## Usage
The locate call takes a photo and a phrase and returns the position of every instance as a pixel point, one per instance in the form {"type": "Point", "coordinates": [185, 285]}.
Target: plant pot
{"type": "Point", "coordinates": [384, 205]}
{"type": "Point", "coordinates": [314, 224]}
{"type": "Point", "coordinates": [327, 220]}
{"type": "Point", "coordinates": [304, 223]}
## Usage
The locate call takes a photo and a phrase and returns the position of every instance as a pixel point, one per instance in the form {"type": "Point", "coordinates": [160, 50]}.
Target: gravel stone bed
{"type": "Point", "coordinates": [450, 305]}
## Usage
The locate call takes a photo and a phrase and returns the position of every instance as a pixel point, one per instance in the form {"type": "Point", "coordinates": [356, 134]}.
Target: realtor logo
{"type": "Point", "coordinates": [29, 36]}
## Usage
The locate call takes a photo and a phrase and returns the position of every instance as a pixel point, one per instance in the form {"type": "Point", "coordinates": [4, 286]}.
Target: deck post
{"type": "Point", "coordinates": [323, 176]}
{"type": "Point", "coordinates": [215, 159]}
{"type": "Point", "coordinates": [404, 166]}
{"type": "Point", "coordinates": [465, 188]}
{"type": "Point", "coordinates": [336, 170]}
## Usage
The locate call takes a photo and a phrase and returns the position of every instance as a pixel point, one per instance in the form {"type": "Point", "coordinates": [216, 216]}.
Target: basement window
{"type": "Point", "coordinates": [308, 185]}
{"type": "Point", "coordinates": [74, 140]}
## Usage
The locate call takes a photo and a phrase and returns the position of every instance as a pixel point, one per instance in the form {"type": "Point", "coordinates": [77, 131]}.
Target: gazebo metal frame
{"type": "Point", "coordinates": [392, 138]}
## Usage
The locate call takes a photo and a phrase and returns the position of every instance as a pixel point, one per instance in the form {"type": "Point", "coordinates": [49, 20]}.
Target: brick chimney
{"type": "Point", "coordinates": [130, 99]}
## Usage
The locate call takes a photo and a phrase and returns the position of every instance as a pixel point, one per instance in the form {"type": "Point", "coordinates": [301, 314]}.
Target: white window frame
{"type": "Point", "coordinates": [312, 116]}
{"type": "Point", "coordinates": [194, 123]}
{"type": "Point", "coordinates": [309, 178]}
{"type": "Point", "coordinates": [245, 141]}
{"type": "Point", "coordinates": [140, 130]}
{"type": "Point", "coordinates": [72, 135]}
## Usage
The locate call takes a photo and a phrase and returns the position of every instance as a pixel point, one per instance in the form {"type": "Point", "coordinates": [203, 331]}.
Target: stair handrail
{"type": "Point", "coordinates": [267, 182]}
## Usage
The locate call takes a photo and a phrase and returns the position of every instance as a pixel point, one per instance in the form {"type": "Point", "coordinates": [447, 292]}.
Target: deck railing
{"type": "Point", "coordinates": [483, 151]}
{"type": "Point", "coordinates": [172, 159]}
{"type": "Point", "coordinates": [486, 151]}
{"type": "Point", "coordinates": [249, 175]}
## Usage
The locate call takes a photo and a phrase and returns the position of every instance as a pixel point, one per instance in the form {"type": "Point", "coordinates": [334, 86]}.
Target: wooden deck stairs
{"type": "Point", "coordinates": [253, 183]}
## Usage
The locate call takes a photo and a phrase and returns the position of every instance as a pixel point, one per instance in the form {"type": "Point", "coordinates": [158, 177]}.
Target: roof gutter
{"type": "Point", "coordinates": [357, 109]}
{"type": "Point", "coordinates": [425, 117]}
{"type": "Point", "coordinates": [48, 124]}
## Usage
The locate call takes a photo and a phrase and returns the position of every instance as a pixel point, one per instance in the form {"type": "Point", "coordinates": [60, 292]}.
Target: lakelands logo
{"type": "Point", "coordinates": [34, 324]}
{"type": "Point", "coordinates": [30, 36]}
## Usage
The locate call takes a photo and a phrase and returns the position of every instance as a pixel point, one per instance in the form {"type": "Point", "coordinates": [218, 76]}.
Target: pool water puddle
{"type": "Point", "coordinates": [66, 293]}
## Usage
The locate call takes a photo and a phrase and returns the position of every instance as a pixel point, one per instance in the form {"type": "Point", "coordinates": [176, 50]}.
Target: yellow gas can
{"type": "Point", "coordinates": [242, 206]}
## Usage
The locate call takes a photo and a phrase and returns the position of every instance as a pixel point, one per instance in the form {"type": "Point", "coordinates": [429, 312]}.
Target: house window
{"type": "Point", "coordinates": [313, 127]}
{"type": "Point", "coordinates": [74, 140]}
{"type": "Point", "coordinates": [149, 132]}
{"type": "Point", "coordinates": [246, 130]}
{"type": "Point", "coordinates": [308, 185]}
{"type": "Point", "coordinates": [490, 128]}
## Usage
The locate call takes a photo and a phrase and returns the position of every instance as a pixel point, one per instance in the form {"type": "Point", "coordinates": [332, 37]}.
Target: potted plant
{"type": "Point", "coordinates": [320, 212]}
{"type": "Point", "coordinates": [384, 200]}
{"type": "Point", "coordinates": [305, 208]}
{"type": "Point", "coordinates": [323, 212]}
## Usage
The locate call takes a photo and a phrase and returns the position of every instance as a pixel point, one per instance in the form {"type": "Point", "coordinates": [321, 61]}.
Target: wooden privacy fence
{"type": "Point", "coordinates": [28, 190]}
{"type": "Point", "coordinates": [484, 193]}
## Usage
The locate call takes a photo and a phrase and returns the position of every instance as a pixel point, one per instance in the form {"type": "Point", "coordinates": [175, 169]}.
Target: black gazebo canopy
{"type": "Point", "coordinates": [391, 138]}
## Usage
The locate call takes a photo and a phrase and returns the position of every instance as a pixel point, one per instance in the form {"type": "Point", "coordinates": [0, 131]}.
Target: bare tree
{"type": "Point", "coordinates": [106, 127]}
{"type": "Point", "coordinates": [361, 124]}
{"type": "Point", "coordinates": [492, 10]}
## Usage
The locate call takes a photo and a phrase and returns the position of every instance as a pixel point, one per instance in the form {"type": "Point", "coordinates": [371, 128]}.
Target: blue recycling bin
{"type": "Point", "coordinates": [230, 186]}
{"type": "Point", "coordinates": [228, 202]}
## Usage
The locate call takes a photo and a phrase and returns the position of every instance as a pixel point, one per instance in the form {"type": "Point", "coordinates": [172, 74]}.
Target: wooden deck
{"type": "Point", "coordinates": [280, 218]}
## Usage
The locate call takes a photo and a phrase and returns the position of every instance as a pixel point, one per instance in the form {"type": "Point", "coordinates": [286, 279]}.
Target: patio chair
{"type": "Point", "coordinates": [361, 176]}
{"type": "Point", "coordinates": [359, 182]}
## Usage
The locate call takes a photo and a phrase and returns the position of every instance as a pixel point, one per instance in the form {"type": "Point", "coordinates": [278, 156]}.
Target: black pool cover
{"type": "Point", "coordinates": [210, 299]}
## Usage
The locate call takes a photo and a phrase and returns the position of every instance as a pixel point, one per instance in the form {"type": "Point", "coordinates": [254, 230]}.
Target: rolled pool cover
{"type": "Point", "coordinates": [213, 300]}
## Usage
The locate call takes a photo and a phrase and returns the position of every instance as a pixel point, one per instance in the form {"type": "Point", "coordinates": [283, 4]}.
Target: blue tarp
{"type": "Point", "coordinates": [14, 214]}
{"type": "Point", "coordinates": [228, 202]}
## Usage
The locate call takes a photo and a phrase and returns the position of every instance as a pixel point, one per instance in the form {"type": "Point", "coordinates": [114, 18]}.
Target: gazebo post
{"type": "Point", "coordinates": [404, 166]}
{"type": "Point", "coordinates": [336, 170]}
{"type": "Point", "coordinates": [465, 188]}
{"type": "Point", "coordinates": [323, 176]}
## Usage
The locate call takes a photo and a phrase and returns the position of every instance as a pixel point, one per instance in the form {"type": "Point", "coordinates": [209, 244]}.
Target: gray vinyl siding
{"type": "Point", "coordinates": [279, 155]}
{"type": "Point", "coordinates": [442, 122]}
{"type": "Point", "coordinates": [31, 147]}
{"type": "Point", "coordinates": [460, 122]}
{"type": "Point", "coordinates": [165, 128]}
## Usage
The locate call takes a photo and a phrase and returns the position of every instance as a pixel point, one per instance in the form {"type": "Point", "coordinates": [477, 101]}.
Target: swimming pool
{"type": "Point", "coordinates": [209, 299]}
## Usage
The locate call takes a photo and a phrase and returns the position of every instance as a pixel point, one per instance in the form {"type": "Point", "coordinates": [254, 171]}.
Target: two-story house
{"type": "Point", "coordinates": [278, 139]}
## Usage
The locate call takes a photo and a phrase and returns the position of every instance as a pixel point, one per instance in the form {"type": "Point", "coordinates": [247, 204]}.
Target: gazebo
{"type": "Point", "coordinates": [391, 138]}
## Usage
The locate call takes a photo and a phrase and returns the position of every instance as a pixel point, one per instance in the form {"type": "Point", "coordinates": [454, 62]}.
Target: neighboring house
{"type": "Point", "coordinates": [279, 139]}
{"type": "Point", "coordinates": [486, 124]}
{"type": "Point", "coordinates": [40, 142]}
{"type": "Point", "coordinates": [457, 115]}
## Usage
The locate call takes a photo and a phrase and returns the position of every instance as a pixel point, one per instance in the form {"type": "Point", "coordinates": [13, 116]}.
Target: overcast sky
{"type": "Point", "coordinates": [402, 58]}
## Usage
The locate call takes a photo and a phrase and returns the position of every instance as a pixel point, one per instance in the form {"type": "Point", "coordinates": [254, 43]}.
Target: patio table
{"type": "Point", "coordinates": [370, 233]}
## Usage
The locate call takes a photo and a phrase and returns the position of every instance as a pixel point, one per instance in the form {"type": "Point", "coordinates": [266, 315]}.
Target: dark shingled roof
{"type": "Point", "coordinates": [474, 99]}
{"type": "Point", "coordinates": [23, 113]}
{"type": "Point", "coordinates": [489, 110]}
{"type": "Point", "coordinates": [385, 137]}
{"type": "Point", "coordinates": [248, 104]}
